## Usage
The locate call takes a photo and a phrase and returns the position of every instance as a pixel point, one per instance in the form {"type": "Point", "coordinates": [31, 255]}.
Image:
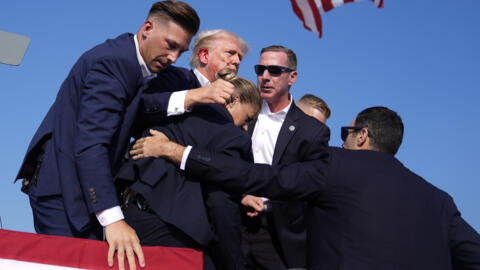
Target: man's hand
{"type": "Point", "coordinates": [217, 92]}
{"type": "Point", "coordinates": [157, 146]}
{"type": "Point", "coordinates": [254, 205]}
{"type": "Point", "coordinates": [151, 146]}
{"type": "Point", "coordinates": [123, 239]}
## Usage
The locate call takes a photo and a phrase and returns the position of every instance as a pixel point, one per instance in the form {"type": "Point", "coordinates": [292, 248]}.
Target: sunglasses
{"type": "Point", "coordinates": [273, 70]}
{"type": "Point", "coordinates": [345, 131]}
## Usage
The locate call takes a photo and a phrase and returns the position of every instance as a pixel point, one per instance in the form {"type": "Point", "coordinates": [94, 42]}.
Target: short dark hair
{"type": "Point", "coordinates": [385, 128]}
{"type": "Point", "coordinates": [177, 11]}
{"type": "Point", "coordinates": [316, 103]}
{"type": "Point", "coordinates": [291, 56]}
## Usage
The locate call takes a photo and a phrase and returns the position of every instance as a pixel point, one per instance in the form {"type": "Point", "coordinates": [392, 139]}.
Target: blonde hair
{"type": "Point", "coordinates": [316, 103]}
{"type": "Point", "coordinates": [206, 39]}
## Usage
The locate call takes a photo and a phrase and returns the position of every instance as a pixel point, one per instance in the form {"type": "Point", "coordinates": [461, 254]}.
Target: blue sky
{"type": "Point", "coordinates": [419, 58]}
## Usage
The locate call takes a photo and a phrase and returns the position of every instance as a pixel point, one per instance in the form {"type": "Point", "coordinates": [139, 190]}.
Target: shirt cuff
{"type": "Point", "coordinates": [176, 104]}
{"type": "Point", "coordinates": [109, 216]}
{"type": "Point", "coordinates": [186, 152]}
{"type": "Point", "coordinates": [267, 204]}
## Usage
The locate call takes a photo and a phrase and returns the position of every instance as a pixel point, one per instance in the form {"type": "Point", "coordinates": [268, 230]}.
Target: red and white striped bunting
{"type": "Point", "coordinates": [19, 250]}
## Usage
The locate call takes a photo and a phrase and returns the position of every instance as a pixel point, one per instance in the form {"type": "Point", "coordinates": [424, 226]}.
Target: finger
{"type": "Point", "coordinates": [138, 250]}
{"type": "Point", "coordinates": [121, 258]}
{"type": "Point", "coordinates": [136, 151]}
{"type": "Point", "coordinates": [111, 253]}
{"type": "Point", "coordinates": [155, 132]}
{"type": "Point", "coordinates": [139, 156]}
{"type": "Point", "coordinates": [257, 207]}
{"type": "Point", "coordinates": [138, 143]}
{"type": "Point", "coordinates": [131, 258]}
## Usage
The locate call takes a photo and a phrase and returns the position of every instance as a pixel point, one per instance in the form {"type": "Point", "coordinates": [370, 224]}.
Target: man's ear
{"type": "Point", "coordinates": [292, 77]}
{"type": "Point", "coordinates": [362, 140]}
{"type": "Point", "coordinates": [203, 56]}
{"type": "Point", "coordinates": [147, 28]}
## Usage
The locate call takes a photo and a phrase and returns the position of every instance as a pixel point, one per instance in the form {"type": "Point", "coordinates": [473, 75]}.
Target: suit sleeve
{"type": "Point", "coordinates": [103, 102]}
{"type": "Point", "coordinates": [318, 148]}
{"type": "Point", "coordinates": [301, 180]}
{"type": "Point", "coordinates": [464, 240]}
{"type": "Point", "coordinates": [156, 98]}
{"type": "Point", "coordinates": [239, 146]}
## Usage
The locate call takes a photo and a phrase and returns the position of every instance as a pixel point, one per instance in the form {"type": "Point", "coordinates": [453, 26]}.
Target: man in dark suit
{"type": "Point", "coordinates": [213, 50]}
{"type": "Point", "coordinates": [70, 160]}
{"type": "Point", "coordinates": [282, 134]}
{"type": "Point", "coordinates": [367, 211]}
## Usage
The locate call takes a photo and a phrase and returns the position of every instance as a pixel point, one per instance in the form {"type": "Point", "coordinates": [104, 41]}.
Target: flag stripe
{"type": "Point", "coordinates": [299, 14]}
{"type": "Point", "coordinates": [316, 16]}
{"type": "Point", "coordinates": [337, 3]}
{"type": "Point", "coordinates": [20, 265]}
{"type": "Point", "coordinates": [319, 6]}
{"type": "Point", "coordinates": [327, 5]}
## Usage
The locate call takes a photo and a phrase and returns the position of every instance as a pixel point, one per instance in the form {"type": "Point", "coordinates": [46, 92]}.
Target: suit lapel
{"type": "Point", "coordinates": [288, 129]}
{"type": "Point", "coordinates": [251, 126]}
{"type": "Point", "coordinates": [196, 82]}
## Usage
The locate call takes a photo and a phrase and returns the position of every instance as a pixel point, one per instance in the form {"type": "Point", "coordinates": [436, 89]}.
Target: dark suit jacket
{"type": "Point", "coordinates": [301, 138]}
{"type": "Point", "coordinates": [155, 98]}
{"type": "Point", "coordinates": [89, 128]}
{"type": "Point", "coordinates": [176, 199]}
{"type": "Point", "coordinates": [367, 210]}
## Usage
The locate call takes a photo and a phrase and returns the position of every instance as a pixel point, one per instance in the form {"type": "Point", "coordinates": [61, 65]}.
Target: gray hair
{"type": "Point", "coordinates": [206, 39]}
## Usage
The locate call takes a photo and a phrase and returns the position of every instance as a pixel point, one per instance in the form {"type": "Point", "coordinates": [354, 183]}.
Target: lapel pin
{"type": "Point", "coordinates": [291, 128]}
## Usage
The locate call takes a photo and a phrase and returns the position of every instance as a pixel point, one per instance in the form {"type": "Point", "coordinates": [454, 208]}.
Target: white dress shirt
{"type": "Point", "coordinates": [203, 81]}
{"type": "Point", "coordinates": [176, 106]}
{"type": "Point", "coordinates": [265, 134]}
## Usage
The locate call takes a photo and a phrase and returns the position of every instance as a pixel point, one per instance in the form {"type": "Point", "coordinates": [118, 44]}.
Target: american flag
{"type": "Point", "coordinates": [309, 11]}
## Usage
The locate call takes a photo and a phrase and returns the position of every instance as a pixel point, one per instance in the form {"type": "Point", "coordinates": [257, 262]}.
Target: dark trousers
{"type": "Point", "coordinates": [225, 216]}
{"type": "Point", "coordinates": [50, 217]}
{"type": "Point", "coordinates": [153, 231]}
{"type": "Point", "coordinates": [257, 244]}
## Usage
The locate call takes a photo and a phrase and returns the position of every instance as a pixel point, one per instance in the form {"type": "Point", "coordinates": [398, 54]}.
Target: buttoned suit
{"type": "Point", "coordinates": [367, 211]}
{"type": "Point", "coordinates": [301, 138]}
{"type": "Point", "coordinates": [85, 133]}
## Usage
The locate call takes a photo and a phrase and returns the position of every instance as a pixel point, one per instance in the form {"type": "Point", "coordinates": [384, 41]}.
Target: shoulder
{"type": "Point", "coordinates": [308, 127]}
{"type": "Point", "coordinates": [175, 77]}
{"type": "Point", "coordinates": [114, 56]}
{"type": "Point", "coordinates": [121, 48]}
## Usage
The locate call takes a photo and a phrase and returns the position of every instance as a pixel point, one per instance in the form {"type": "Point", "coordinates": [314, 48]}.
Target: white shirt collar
{"type": "Point", "coordinates": [145, 71]}
{"type": "Point", "coordinates": [201, 78]}
{"type": "Point", "coordinates": [284, 111]}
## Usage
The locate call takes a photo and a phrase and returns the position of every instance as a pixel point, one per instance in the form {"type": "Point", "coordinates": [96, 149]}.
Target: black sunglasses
{"type": "Point", "coordinates": [273, 70]}
{"type": "Point", "coordinates": [344, 133]}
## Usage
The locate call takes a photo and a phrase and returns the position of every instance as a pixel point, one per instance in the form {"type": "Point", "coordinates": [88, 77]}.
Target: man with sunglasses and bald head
{"type": "Point", "coordinates": [274, 235]}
